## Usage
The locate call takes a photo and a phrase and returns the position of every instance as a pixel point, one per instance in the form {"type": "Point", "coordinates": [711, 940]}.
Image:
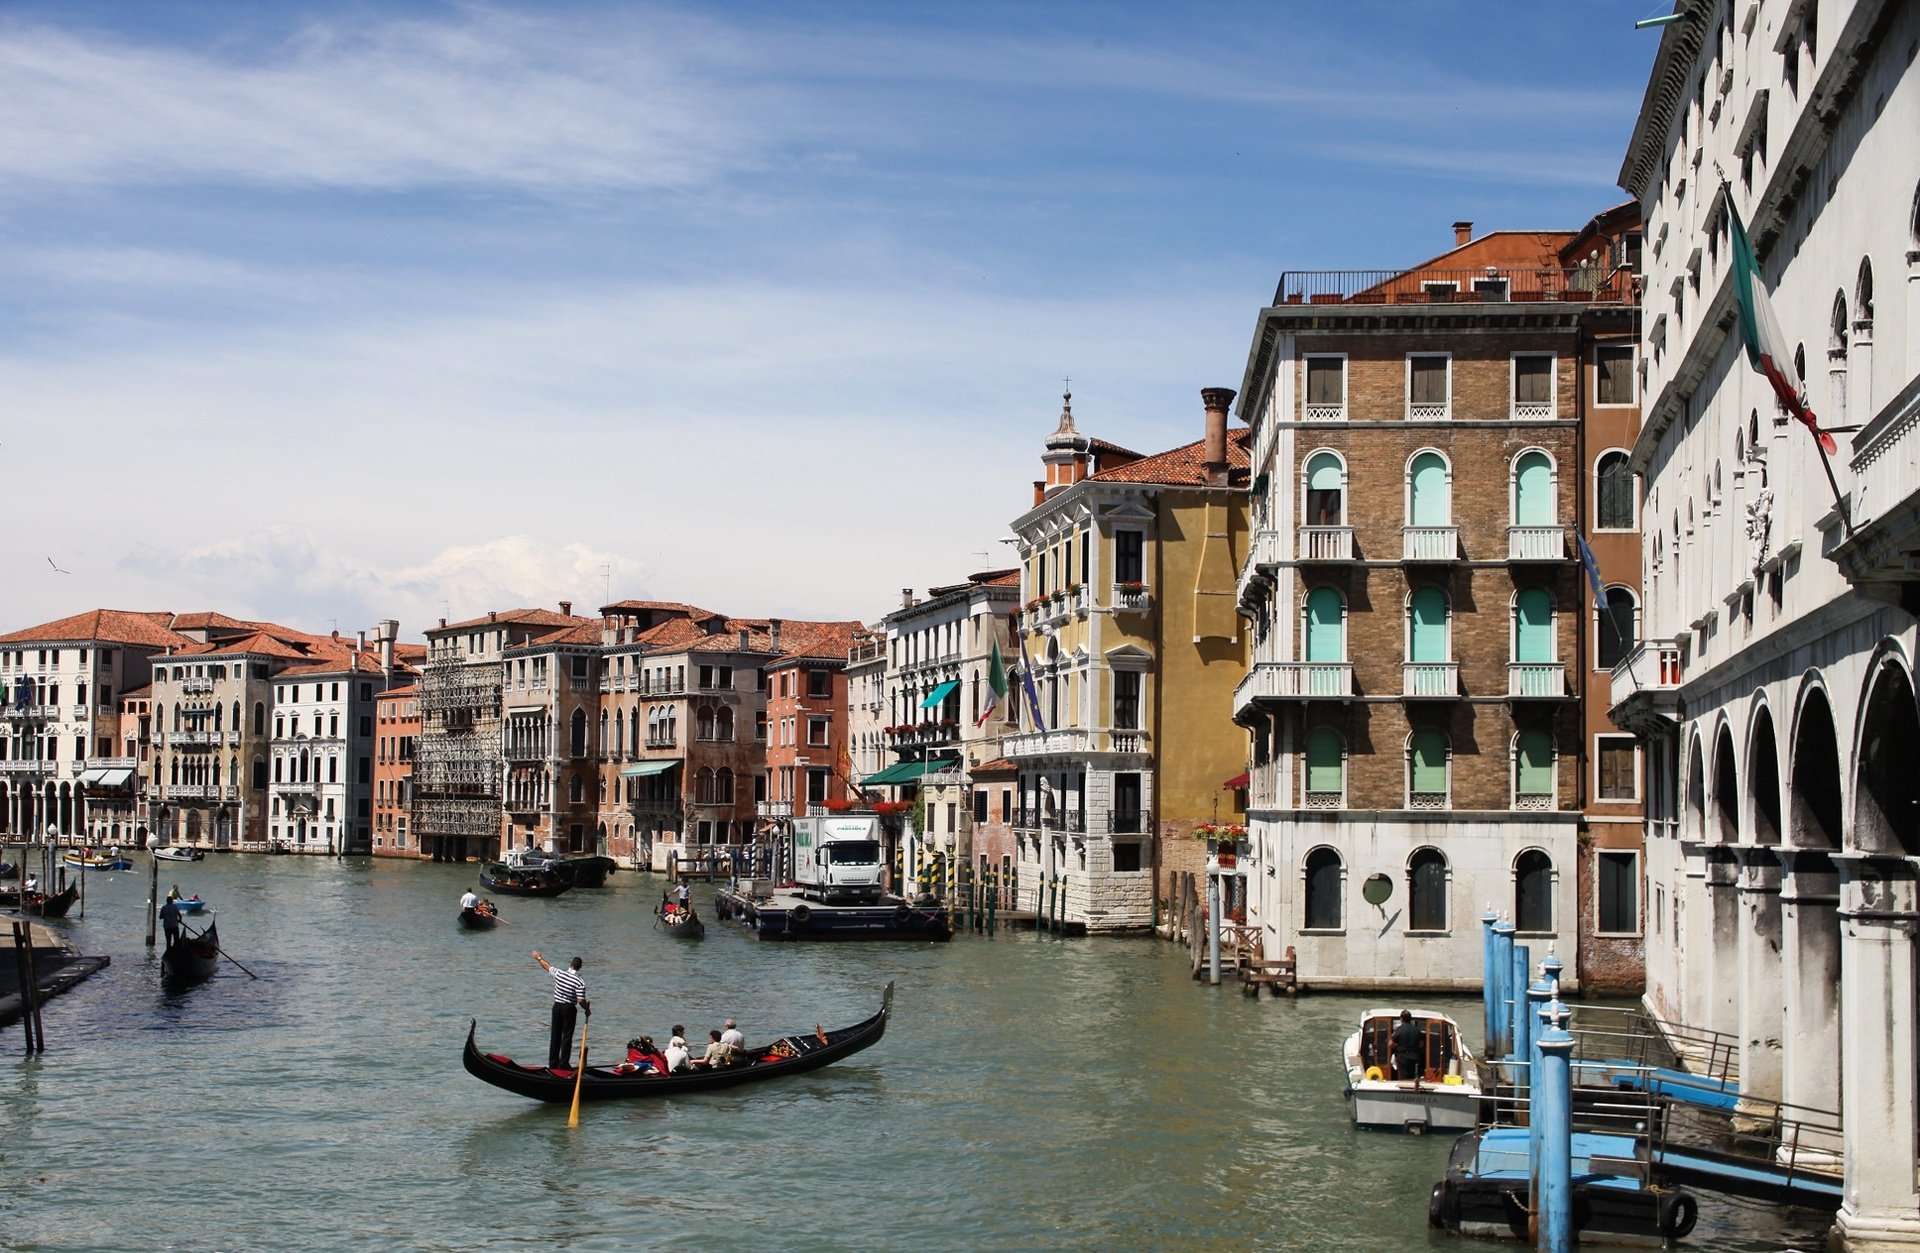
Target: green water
{"type": "Point", "coordinates": [1030, 1093]}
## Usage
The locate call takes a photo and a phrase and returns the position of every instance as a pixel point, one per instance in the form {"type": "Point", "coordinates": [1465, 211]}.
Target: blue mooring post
{"type": "Point", "coordinates": [1517, 1030]}
{"type": "Point", "coordinates": [1502, 1038]}
{"type": "Point", "coordinates": [1553, 1099]}
{"type": "Point", "coordinates": [1539, 994]}
{"type": "Point", "coordinates": [1489, 988]}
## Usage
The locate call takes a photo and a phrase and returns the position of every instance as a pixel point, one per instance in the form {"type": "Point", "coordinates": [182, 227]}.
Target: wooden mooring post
{"type": "Point", "coordinates": [29, 987]}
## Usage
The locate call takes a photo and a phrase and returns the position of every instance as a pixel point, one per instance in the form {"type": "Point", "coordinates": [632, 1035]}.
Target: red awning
{"type": "Point", "coordinates": [1237, 782]}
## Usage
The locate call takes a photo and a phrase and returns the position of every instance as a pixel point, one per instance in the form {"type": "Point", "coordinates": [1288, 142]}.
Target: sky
{"type": "Point", "coordinates": [325, 313]}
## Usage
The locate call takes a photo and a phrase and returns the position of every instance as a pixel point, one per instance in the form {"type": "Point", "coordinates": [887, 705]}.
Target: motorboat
{"type": "Point", "coordinates": [1444, 1095]}
{"type": "Point", "coordinates": [179, 852]}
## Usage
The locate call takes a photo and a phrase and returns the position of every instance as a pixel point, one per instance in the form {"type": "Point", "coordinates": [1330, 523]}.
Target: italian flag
{"type": "Point", "coordinates": [1767, 349]}
{"type": "Point", "coordinates": [996, 686]}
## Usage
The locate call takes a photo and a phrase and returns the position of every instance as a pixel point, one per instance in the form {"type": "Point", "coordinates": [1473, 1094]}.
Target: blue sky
{"type": "Point", "coordinates": [333, 312]}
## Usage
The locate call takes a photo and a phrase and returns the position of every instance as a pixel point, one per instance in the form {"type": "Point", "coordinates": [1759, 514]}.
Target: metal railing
{"type": "Point", "coordinates": [1487, 285]}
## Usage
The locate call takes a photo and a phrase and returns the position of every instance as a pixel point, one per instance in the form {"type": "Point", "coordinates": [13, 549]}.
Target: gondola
{"type": "Point", "coordinates": [808, 1050]}
{"type": "Point", "coordinates": [40, 905]}
{"type": "Point", "coordinates": [179, 852]}
{"type": "Point", "coordinates": [504, 879]}
{"type": "Point", "coordinates": [192, 959]}
{"type": "Point", "coordinates": [683, 923]}
{"type": "Point", "coordinates": [478, 920]}
{"type": "Point", "coordinates": [8, 870]}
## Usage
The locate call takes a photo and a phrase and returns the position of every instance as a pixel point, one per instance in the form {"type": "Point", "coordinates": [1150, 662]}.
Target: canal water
{"type": "Point", "coordinates": [1031, 1092]}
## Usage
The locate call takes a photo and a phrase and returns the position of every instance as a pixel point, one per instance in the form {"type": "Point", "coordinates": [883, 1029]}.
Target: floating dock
{"type": "Point", "coordinates": [781, 914]}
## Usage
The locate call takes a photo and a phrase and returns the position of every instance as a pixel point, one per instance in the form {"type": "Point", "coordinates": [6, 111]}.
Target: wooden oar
{"type": "Point", "coordinates": [573, 1115]}
{"type": "Point", "coordinates": [229, 956]}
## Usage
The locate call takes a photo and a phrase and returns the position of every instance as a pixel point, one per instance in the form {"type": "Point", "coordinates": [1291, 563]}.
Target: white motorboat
{"type": "Point", "coordinates": [178, 852]}
{"type": "Point", "coordinates": [1444, 1096]}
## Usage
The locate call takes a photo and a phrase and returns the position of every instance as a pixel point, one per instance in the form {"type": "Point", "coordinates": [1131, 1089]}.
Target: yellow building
{"type": "Point", "coordinates": [1129, 648]}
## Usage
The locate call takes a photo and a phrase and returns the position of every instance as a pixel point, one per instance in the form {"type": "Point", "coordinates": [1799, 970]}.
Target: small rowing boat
{"type": "Point", "coordinates": [96, 861]}
{"type": "Point", "coordinates": [40, 905]}
{"type": "Point", "coordinates": [191, 959]}
{"type": "Point", "coordinates": [479, 919]}
{"type": "Point", "coordinates": [790, 1055]}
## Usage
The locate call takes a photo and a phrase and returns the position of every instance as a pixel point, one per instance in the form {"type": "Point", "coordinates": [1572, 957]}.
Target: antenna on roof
{"type": "Point", "coordinates": [607, 569]}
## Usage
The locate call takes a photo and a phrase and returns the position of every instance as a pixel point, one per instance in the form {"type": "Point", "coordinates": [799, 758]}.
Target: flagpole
{"type": "Point", "coordinates": [1839, 501]}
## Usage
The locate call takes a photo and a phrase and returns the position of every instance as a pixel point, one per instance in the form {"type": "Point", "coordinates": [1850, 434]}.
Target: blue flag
{"type": "Point", "coordinates": [1026, 681]}
{"type": "Point", "coordinates": [1592, 568]}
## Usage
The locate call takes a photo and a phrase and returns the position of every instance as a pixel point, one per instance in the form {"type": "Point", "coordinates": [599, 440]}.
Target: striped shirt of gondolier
{"type": "Point", "coordinates": [568, 987]}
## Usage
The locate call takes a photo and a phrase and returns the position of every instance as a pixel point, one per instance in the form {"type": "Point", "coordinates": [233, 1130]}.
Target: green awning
{"type": "Point", "coordinates": [909, 771]}
{"type": "Point", "coordinates": [641, 769]}
{"type": "Point", "coordinates": [939, 694]}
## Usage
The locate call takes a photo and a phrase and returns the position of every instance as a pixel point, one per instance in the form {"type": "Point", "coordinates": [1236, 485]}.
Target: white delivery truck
{"type": "Point", "coordinates": [837, 860]}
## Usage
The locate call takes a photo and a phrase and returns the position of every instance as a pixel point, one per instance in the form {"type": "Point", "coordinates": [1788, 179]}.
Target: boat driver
{"type": "Point", "coordinates": [1409, 1049]}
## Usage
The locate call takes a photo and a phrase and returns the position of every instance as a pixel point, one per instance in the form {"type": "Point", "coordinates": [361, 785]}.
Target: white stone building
{"type": "Point", "coordinates": [1776, 682]}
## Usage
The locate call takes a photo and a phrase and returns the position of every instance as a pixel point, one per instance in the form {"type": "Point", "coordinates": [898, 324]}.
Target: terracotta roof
{"type": "Point", "coordinates": [998, 766]}
{"type": "Point", "coordinates": [138, 693]}
{"type": "Point", "coordinates": [523, 617]}
{"type": "Point", "coordinates": [365, 662]}
{"type": "Point", "coordinates": [107, 626]}
{"type": "Point", "coordinates": [817, 639]}
{"type": "Point", "coordinates": [409, 690]}
{"type": "Point", "coordinates": [662, 606]}
{"type": "Point", "coordinates": [584, 633]}
{"type": "Point", "coordinates": [1184, 466]}
{"type": "Point", "coordinates": [201, 621]}
{"type": "Point", "coordinates": [259, 644]}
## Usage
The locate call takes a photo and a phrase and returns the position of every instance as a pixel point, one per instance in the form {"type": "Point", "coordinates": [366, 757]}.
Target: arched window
{"type": "Point", "coordinates": [1429, 494]}
{"type": "Point", "coordinates": [1326, 494]}
{"type": "Point", "coordinates": [1427, 890]}
{"type": "Point", "coordinates": [1533, 503]}
{"type": "Point", "coordinates": [276, 770]}
{"type": "Point", "coordinates": [333, 768]}
{"type": "Point", "coordinates": [1427, 614]}
{"type": "Point", "coordinates": [1533, 891]}
{"type": "Point", "coordinates": [1616, 628]}
{"type": "Point", "coordinates": [1323, 890]}
{"type": "Point", "coordinates": [723, 786]}
{"type": "Point", "coordinates": [236, 715]}
{"type": "Point", "coordinates": [1326, 769]}
{"type": "Point", "coordinates": [723, 724]}
{"type": "Point", "coordinates": [576, 790]}
{"type": "Point", "coordinates": [1533, 625]}
{"type": "Point", "coordinates": [1837, 331]}
{"type": "Point", "coordinates": [1533, 770]}
{"type": "Point", "coordinates": [577, 734]}
{"type": "Point", "coordinates": [1326, 626]}
{"type": "Point", "coordinates": [1613, 490]}
{"type": "Point", "coordinates": [1427, 770]}
{"type": "Point", "coordinates": [1863, 292]}
{"type": "Point", "coordinates": [259, 718]}
{"type": "Point", "coordinates": [604, 741]}
{"type": "Point", "coordinates": [703, 724]}
{"type": "Point", "coordinates": [703, 786]}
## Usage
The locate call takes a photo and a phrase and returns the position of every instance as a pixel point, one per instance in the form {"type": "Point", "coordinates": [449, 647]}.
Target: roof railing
{"type": "Point", "coordinates": [1490, 284]}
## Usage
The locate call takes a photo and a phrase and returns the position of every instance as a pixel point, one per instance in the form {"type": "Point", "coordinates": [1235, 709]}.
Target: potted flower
{"type": "Point", "coordinates": [1130, 587]}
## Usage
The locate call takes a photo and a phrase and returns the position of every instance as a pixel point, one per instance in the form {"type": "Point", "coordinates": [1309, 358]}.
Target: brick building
{"type": "Point", "coordinates": [1422, 630]}
{"type": "Point", "coordinates": [396, 726]}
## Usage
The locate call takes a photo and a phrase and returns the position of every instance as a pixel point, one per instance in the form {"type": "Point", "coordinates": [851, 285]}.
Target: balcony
{"type": "Point", "coordinates": [1126, 822]}
{"type": "Point", "coordinates": [1132, 600]}
{"type": "Point", "coordinates": [26, 767]}
{"type": "Point", "coordinates": [1536, 543]}
{"type": "Point", "coordinates": [1335, 411]}
{"type": "Point", "coordinates": [773, 809]}
{"type": "Point", "coordinates": [1295, 680]}
{"type": "Point", "coordinates": [196, 686]}
{"type": "Point", "coordinates": [1487, 285]}
{"type": "Point", "coordinates": [1326, 543]}
{"type": "Point", "coordinates": [1425, 680]}
{"type": "Point", "coordinates": [200, 792]}
{"type": "Point", "coordinates": [1882, 557]}
{"type": "Point", "coordinates": [1430, 543]}
{"type": "Point", "coordinates": [1127, 741]}
{"type": "Point", "coordinates": [1646, 688]}
{"type": "Point", "coordinates": [1533, 411]}
{"type": "Point", "coordinates": [1536, 680]}
{"type": "Point", "coordinates": [30, 713]}
{"type": "Point", "coordinates": [1429, 410]}
{"type": "Point", "coordinates": [1071, 741]}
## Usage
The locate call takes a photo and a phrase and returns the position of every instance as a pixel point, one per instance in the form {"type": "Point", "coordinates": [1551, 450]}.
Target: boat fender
{"type": "Point", "coordinates": [900, 915]}
{"type": "Point", "coordinates": [1443, 1207]}
{"type": "Point", "coordinates": [799, 915]}
{"type": "Point", "coordinates": [1678, 1213]}
{"type": "Point", "coordinates": [1374, 1074]}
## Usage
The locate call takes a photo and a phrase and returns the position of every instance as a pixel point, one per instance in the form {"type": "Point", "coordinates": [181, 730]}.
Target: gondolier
{"type": "Point", "coordinates": [569, 997]}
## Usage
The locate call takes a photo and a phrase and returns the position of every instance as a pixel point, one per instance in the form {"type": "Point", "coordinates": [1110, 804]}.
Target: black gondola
{"type": "Point", "coordinates": [40, 905]}
{"type": "Point", "coordinates": [508, 881]}
{"type": "Point", "coordinates": [789, 1056]}
{"type": "Point", "coordinates": [478, 919]}
{"type": "Point", "coordinates": [8, 870]}
{"type": "Point", "coordinates": [584, 872]}
{"type": "Point", "coordinates": [191, 959]}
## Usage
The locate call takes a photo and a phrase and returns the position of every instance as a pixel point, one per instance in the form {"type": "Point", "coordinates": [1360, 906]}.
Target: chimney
{"type": "Point", "coordinates": [1462, 234]}
{"type": "Point", "coordinates": [566, 609]}
{"type": "Point", "coordinates": [493, 615]}
{"type": "Point", "coordinates": [360, 645]}
{"type": "Point", "coordinates": [773, 634]}
{"type": "Point", "coordinates": [443, 624]}
{"type": "Point", "coordinates": [1214, 457]}
{"type": "Point", "coordinates": [389, 631]}
{"type": "Point", "coordinates": [743, 639]}
{"type": "Point", "coordinates": [906, 598]}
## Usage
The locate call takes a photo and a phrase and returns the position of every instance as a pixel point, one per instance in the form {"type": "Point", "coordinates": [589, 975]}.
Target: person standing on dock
{"type": "Point", "coordinates": [569, 998]}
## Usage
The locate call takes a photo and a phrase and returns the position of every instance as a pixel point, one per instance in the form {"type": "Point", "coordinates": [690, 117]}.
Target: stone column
{"type": "Point", "coordinates": [1913, 312]}
{"type": "Point", "coordinates": [1879, 914]}
{"type": "Point", "coordinates": [1810, 979]}
{"type": "Point", "coordinates": [1758, 1013]}
{"type": "Point", "coordinates": [1693, 937]}
{"type": "Point", "coordinates": [1723, 944]}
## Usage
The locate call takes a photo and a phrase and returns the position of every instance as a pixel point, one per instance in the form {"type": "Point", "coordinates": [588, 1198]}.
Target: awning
{"type": "Point", "coordinates": [939, 694]}
{"type": "Point", "coordinates": [1238, 781]}
{"type": "Point", "coordinates": [909, 771]}
{"type": "Point", "coordinates": [107, 776]}
{"type": "Point", "coordinates": [641, 769]}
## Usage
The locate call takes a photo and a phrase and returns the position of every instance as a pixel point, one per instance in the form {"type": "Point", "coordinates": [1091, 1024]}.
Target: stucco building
{"type": "Point", "coordinates": [396, 730]}
{"type": "Point", "coordinates": [1777, 683]}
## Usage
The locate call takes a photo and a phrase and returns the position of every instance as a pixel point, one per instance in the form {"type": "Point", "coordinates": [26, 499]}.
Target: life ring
{"type": "Point", "coordinates": [799, 915]}
{"type": "Point", "coordinates": [901, 914]}
{"type": "Point", "coordinates": [1678, 1213]}
{"type": "Point", "coordinates": [1374, 1074]}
